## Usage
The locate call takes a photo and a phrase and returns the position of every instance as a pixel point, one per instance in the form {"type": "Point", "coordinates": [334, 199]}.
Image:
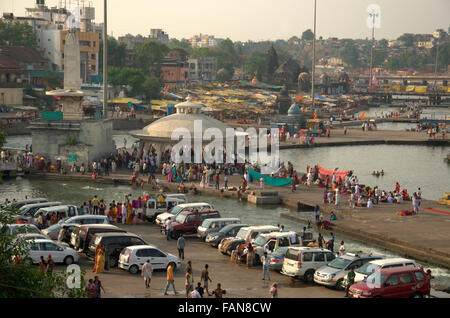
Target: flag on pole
{"type": "Point", "coordinates": [363, 115]}
{"type": "Point", "coordinates": [166, 90]}
{"type": "Point", "coordinates": [315, 114]}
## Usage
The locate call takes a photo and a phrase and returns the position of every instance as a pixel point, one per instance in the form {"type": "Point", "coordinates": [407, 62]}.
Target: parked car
{"type": "Point", "coordinates": [228, 231]}
{"type": "Point", "coordinates": [214, 225]}
{"type": "Point", "coordinates": [302, 262]}
{"type": "Point", "coordinates": [334, 273]}
{"type": "Point", "coordinates": [253, 231]}
{"type": "Point", "coordinates": [393, 282]}
{"type": "Point", "coordinates": [21, 203]}
{"type": "Point", "coordinates": [186, 222]}
{"type": "Point", "coordinates": [59, 253]}
{"type": "Point", "coordinates": [115, 243]}
{"type": "Point", "coordinates": [86, 219]}
{"type": "Point", "coordinates": [277, 258]}
{"type": "Point", "coordinates": [22, 228]}
{"type": "Point", "coordinates": [162, 218]}
{"type": "Point", "coordinates": [32, 236]}
{"type": "Point", "coordinates": [372, 266]}
{"type": "Point", "coordinates": [61, 211]}
{"type": "Point", "coordinates": [227, 245]}
{"type": "Point", "coordinates": [270, 242]}
{"type": "Point", "coordinates": [81, 236]}
{"type": "Point", "coordinates": [27, 211]}
{"type": "Point", "coordinates": [53, 231]}
{"type": "Point", "coordinates": [132, 258]}
{"type": "Point", "coordinates": [155, 207]}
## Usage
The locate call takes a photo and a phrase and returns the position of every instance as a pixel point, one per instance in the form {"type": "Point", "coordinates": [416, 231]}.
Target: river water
{"type": "Point", "coordinates": [72, 192]}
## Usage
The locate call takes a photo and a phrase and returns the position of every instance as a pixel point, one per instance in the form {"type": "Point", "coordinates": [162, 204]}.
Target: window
{"type": "Point", "coordinates": [48, 247]}
{"type": "Point", "coordinates": [406, 278]}
{"type": "Point", "coordinates": [93, 56]}
{"type": "Point", "coordinates": [419, 276]}
{"type": "Point", "coordinates": [292, 255]}
{"type": "Point", "coordinates": [330, 257]}
{"type": "Point", "coordinates": [156, 253]}
{"type": "Point", "coordinates": [34, 247]}
{"type": "Point", "coordinates": [151, 205]}
{"type": "Point", "coordinates": [143, 253]}
{"type": "Point", "coordinates": [94, 43]}
{"type": "Point", "coordinates": [191, 218]}
{"type": "Point", "coordinates": [319, 257]}
{"type": "Point", "coordinates": [307, 257]}
{"type": "Point", "coordinates": [161, 205]}
{"type": "Point", "coordinates": [85, 43]}
{"type": "Point", "coordinates": [271, 245]}
{"type": "Point", "coordinates": [284, 241]}
{"type": "Point", "coordinates": [392, 281]}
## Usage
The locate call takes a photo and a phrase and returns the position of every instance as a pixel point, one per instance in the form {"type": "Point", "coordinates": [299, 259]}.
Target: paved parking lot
{"type": "Point", "coordinates": [238, 280]}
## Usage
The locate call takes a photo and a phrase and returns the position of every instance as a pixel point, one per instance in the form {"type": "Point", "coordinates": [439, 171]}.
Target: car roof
{"type": "Point", "coordinates": [26, 206]}
{"type": "Point", "coordinates": [44, 240]}
{"type": "Point", "coordinates": [22, 224]}
{"type": "Point", "coordinates": [242, 225]}
{"type": "Point", "coordinates": [187, 205]}
{"type": "Point", "coordinates": [393, 270]}
{"type": "Point", "coordinates": [88, 216]}
{"type": "Point", "coordinates": [56, 207]}
{"type": "Point", "coordinates": [136, 247]}
{"type": "Point", "coordinates": [393, 260]}
{"type": "Point", "coordinates": [262, 227]}
{"type": "Point", "coordinates": [222, 219]}
{"type": "Point", "coordinates": [105, 226]}
{"type": "Point", "coordinates": [29, 200]}
{"type": "Point", "coordinates": [307, 248]}
{"type": "Point", "coordinates": [199, 211]}
{"type": "Point", "coordinates": [278, 234]}
{"type": "Point", "coordinates": [116, 234]}
{"type": "Point", "coordinates": [30, 234]}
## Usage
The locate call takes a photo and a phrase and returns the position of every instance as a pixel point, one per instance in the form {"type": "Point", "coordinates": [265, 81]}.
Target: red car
{"type": "Point", "coordinates": [187, 222]}
{"type": "Point", "coordinates": [394, 282]}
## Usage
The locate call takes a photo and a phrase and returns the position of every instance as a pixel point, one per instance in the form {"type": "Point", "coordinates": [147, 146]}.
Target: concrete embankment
{"type": "Point", "coordinates": [423, 237]}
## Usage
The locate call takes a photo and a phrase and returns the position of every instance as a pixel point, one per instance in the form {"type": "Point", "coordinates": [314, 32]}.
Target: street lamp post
{"type": "Point", "coordinates": [373, 16]}
{"type": "Point", "coordinates": [105, 61]}
{"type": "Point", "coordinates": [314, 58]}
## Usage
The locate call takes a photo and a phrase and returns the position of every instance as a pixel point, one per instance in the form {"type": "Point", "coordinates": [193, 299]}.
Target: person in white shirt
{"type": "Point", "coordinates": [147, 271]}
{"type": "Point", "coordinates": [195, 294]}
{"type": "Point", "coordinates": [336, 198]}
{"type": "Point", "coordinates": [124, 213]}
{"type": "Point", "coordinates": [168, 228]}
{"type": "Point", "coordinates": [61, 234]}
{"type": "Point", "coordinates": [342, 249]}
{"type": "Point", "coordinates": [266, 266]}
{"type": "Point", "coordinates": [369, 203]}
{"type": "Point", "coordinates": [261, 182]}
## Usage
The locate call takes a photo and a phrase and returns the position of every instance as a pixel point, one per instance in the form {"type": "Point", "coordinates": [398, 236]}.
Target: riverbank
{"type": "Point", "coordinates": [423, 236]}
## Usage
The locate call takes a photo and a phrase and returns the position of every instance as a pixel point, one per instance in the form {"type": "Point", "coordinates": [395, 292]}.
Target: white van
{"type": "Point", "coordinates": [362, 272]}
{"type": "Point", "coordinates": [162, 218]}
{"type": "Point", "coordinates": [253, 231]}
{"type": "Point", "coordinates": [270, 242]}
{"type": "Point", "coordinates": [302, 262]}
{"type": "Point", "coordinates": [21, 203]}
{"type": "Point", "coordinates": [27, 212]}
{"type": "Point", "coordinates": [155, 207]}
{"type": "Point", "coordinates": [65, 211]}
{"type": "Point", "coordinates": [86, 219]}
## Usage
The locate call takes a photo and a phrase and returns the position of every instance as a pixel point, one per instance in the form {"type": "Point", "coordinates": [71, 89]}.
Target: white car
{"type": "Point", "coordinates": [59, 253]}
{"type": "Point", "coordinates": [162, 218]}
{"type": "Point", "coordinates": [86, 219]}
{"type": "Point", "coordinates": [32, 236]}
{"type": "Point", "coordinates": [22, 228]}
{"type": "Point", "coordinates": [132, 258]}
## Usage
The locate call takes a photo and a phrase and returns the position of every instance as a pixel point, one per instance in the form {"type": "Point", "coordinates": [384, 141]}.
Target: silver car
{"type": "Point", "coordinates": [333, 274]}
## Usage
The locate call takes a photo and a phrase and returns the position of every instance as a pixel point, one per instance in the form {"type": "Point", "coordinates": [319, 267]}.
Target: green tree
{"type": "Point", "coordinates": [308, 35]}
{"type": "Point", "coordinates": [17, 34]}
{"type": "Point", "coordinates": [183, 44]}
{"type": "Point", "coordinates": [116, 53]}
{"type": "Point", "coordinates": [350, 55]}
{"type": "Point", "coordinates": [152, 87]}
{"type": "Point", "coordinates": [407, 39]}
{"type": "Point", "coordinates": [383, 43]}
{"type": "Point", "coordinates": [443, 55]}
{"type": "Point", "coordinates": [150, 55]}
{"type": "Point", "coordinates": [21, 279]}
{"type": "Point", "coordinates": [129, 77]}
{"type": "Point", "coordinates": [255, 64]}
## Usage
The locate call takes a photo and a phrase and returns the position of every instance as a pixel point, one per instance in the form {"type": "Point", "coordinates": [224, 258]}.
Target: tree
{"type": "Point", "coordinates": [350, 55]}
{"type": "Point", "coordinates": [308, 35]}
{"type": "Point", "coordinates": [383, 43]}
{"type": "Point", "coordinates": [150, 55]}
{"type": "Point", "coordinates": [130, 77]}
{"type": "Point", "coordinates": [116, 53]}
{"type": "Point", "coordinates": [183, 44]}
{"type": "Point", "coordinates": [2, 142]}
{"type": "Point", "coordinates": [227, 56]}
{"type": "Point", "coordinates": [255, 64]}
{"type": "Point", "coordinates": [52, 79]}
{"type": "Point", "coordinates": [152, 87]}
{"type": "Point", "coordinates": [407, 39]}
{"type": "Point", "coordinates": [271, 64]}
{"type": "Point", "coordinates": [17, 34]}
{"type": "Point", "coordinates": [21, 279]}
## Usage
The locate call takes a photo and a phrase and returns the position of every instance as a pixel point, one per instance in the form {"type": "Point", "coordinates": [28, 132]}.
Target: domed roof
{"type": "Point", "coordinates": [294, 110]}
{"type": "Point", "coordinates": [188, 116]}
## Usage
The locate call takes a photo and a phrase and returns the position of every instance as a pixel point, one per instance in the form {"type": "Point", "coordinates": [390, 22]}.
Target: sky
{"type": "Point", "coordinates": [259, 20]}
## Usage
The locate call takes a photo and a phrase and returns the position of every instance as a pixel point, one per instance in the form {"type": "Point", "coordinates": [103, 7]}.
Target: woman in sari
{"type": "Point", "coordinates": [129, 214]}
{"type": "Point", "coordinates": [100, 262]}
{"type": "Point", "coordinates": [169, 175]}
{"type": "Point", "coordinates": [98, 248]}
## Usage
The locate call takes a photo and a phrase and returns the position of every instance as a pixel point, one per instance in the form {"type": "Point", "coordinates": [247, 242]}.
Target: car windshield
{"type": "Point", "coordinates": [206, 223]}
{"type": "Point", "coordinates": [54, 227]}
{"type": "Point", "coordinates": [260, 240]}
{"type": "Point", "coordinates": [280, 252]}
{"type": "Point", "coordinates": [175, 210]}
{"type": "Point", "coordinates": [339, 263]}
{"type": "Point", "coordinates": [367, 269]}
{"type": "Point", "coordinates": [226, 229]}
{"type": "Point", "coordinates": [180, 218]}
{"type": "Point", "coordinates": [375, 279]}
{"type": "Point", "coordinates": [242, 233]}
{"type": "Point", "coordinates": [26, 229]}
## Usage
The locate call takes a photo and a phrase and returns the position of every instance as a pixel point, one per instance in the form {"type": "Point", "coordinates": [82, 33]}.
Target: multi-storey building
{"type": "Point", "coordinates": [203, 68]}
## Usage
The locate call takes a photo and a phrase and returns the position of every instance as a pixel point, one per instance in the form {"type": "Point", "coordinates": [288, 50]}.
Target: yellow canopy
{"type": "Point", "coordinates": [124, 100]}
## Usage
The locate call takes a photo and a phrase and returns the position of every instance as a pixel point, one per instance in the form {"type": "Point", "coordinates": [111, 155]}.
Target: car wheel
{"type": "Point", "coordinates": [309, 276]}
{"type": "Point", "coordinates": [175, 235]}
{"type": "Point", "coordinates": [113, 262]}
{"type": "Point", "coordinates": [174, 266]}
{"type": "Point", "coordinates": [133, 269]}
{"type": "Point", "coordinates": [68, 260]}
{"type": "Point", "coordinates": [339, 284]}
{"type": "Point", "coordinates": [417, 295]}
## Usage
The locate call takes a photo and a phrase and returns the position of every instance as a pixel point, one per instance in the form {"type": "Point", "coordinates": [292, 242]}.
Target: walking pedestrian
{"type": "Point", "coordinates": [180, 245]}
{"type": "Point", "coordinates": [168, 228]}
{"type": "Point", "coordinates": [225, 180]}
{"type": "Point", "coordinates": [332, 242]}
{"type": "Point", "coordinates": [147, 271]}
{"type": "Point", "coordinates": [342, 249]}
{"type": "Point", "coordinates": [250, 255]}
{"type": "Point", "coordinates": [50, 264]}
{"type": "Point", "coordinates": [205, 278]}
{"type": "Point", "coordinates": [42, 265]}
{"type": "Point", "coordinates": [189, 282]}
{"type": "Point", "coordinates": [266, 263]}
{"type": "Point", "coordinates": [170, 280]}
{"type": "Point", "coordinates": [91, 289]}
{"type": "Point", "coordinates": [350, 280]}
{"type": "Point", "coordinates": [98, 287]}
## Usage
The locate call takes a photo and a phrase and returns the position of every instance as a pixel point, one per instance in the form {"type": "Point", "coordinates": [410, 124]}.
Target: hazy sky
{"type": "Point", "coordinates": [257, 20]}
